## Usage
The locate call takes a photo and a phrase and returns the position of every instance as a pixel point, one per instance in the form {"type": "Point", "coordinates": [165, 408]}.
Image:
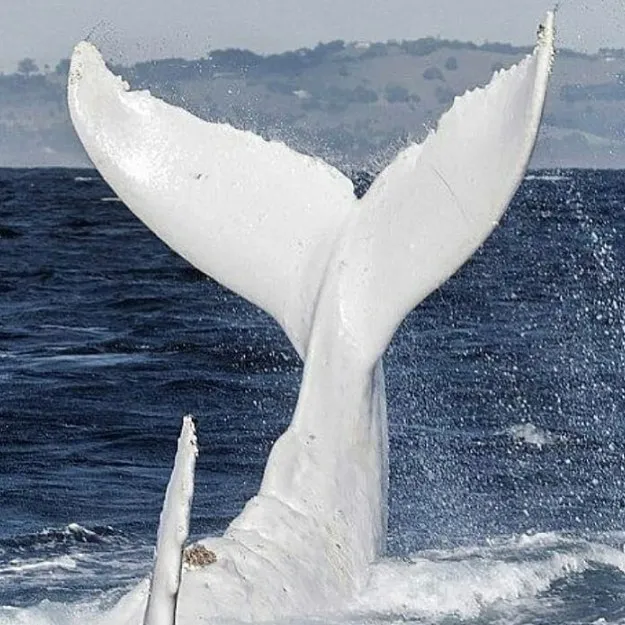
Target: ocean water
{"type": "Point", "coordinates": [506, 405]}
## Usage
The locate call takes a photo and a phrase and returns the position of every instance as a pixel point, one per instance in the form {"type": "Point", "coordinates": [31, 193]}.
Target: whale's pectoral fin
{"type": "Point", "coordinates": [173, 531]}
{"type": "Point", "coordinates": [253, 214]}
{"type": "Point", "coordinates": [433, 206]}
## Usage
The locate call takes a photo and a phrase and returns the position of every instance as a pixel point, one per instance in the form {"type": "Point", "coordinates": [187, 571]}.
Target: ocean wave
{"type": "Point", "coordinates": [70, 534]}
{"type": "Point", "coordinates": [52, 613]}
{"type": "Point", "coordinates": [507, 580]}
{"type": "Point", "coordinates": [465, 582]}
{"type": "Point", "coordinates": [138, 304]}
{"type": "Point", "coordinates": [59, 575]}
{"type": "Point", "coordinates": [547, 177]}
{"type": "Point", "coordinates": [18, 565]}
{"type": "Point", "coordinates": [9, 233]}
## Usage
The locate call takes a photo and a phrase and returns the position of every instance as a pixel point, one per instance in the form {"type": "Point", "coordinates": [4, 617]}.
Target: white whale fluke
{"type": "Point", "coordinates": [339, 274]}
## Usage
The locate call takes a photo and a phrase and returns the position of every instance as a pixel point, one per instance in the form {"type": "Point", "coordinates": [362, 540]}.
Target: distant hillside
{"type": "Point", "coordinates": [354, 103]}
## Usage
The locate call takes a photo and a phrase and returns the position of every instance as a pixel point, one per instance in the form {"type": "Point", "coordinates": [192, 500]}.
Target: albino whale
{"type": "Point", "coordinates": [339, 274]}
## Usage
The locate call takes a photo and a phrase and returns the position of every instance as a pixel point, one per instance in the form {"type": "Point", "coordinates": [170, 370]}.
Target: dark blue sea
{"type": "Point", "coordinates": [506, 395]}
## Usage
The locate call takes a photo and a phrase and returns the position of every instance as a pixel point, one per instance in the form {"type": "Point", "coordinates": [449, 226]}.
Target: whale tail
{"type": "Point", "coordinates": [339, 274]}
{"type": "Point", "coordinates": [264, 220]}
{"type": "Point", "coordinates": [436, 203]}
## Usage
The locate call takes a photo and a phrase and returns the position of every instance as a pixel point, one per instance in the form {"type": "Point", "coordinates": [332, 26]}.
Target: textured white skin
{"type": "Point", "coordinates": [338, 274]}
{"type": "Point", "coordinates": [173, 531]}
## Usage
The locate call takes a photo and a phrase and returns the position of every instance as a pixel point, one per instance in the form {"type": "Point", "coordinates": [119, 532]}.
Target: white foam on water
{"type": "Point", "coordinates": [547, 177]}
{"type": "Point", "coordinates": [464, 583]}
{"type": "Point", "coordinates": [84, 330]}
{"type": "Point", "coordinates": [84, 361]}
{"type": "Point", "coordinates": [50, 613]}
{"type": "Point", "coordinates": [89, 562]}
{"type": "Point", "coordinates": [18, 565]}
{"type": "Point", "coordinates": [529, 434]}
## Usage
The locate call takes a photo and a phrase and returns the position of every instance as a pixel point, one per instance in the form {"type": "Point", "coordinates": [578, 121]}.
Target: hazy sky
{"type": "Point", "coordinates": [129, 30]}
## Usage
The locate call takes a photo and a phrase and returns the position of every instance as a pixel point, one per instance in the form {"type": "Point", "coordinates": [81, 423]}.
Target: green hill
{"type": "Point", "coordinates": [353, 103]}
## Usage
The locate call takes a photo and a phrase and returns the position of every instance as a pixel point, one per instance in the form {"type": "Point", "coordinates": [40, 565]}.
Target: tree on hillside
{"type": "Point", "coordinates": [451, 64]}
{"type": "Point", "coordinates": [27, 67]}
{"type": "Point", "coordinates": [396, 93]}
{"type": "Point", "coordinates": [433, 73]}
{"type": "Point", "coordinates": [62, 67]}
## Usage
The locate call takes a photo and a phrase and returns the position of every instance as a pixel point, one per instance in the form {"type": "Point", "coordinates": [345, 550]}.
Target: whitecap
{"type": "Point", "coordinates": [547, 177]}
{"type": "Point", "coordinates": [529, 434]}
{"type": "Point", "coordinates": [466, 581]}
{"type": "Point", "coordinates": [18, 565]}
